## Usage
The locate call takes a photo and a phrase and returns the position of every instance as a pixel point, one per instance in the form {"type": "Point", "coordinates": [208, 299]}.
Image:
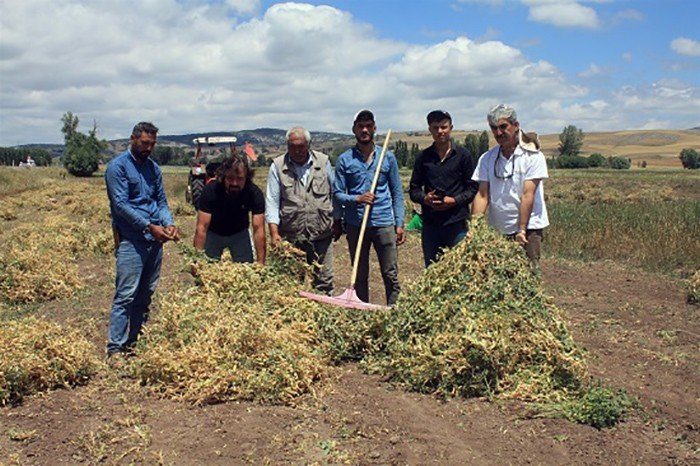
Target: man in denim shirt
{"type": "Point", "coordinates": [354, 172]}
{"type": "Point", "coordinates": [142, 222]}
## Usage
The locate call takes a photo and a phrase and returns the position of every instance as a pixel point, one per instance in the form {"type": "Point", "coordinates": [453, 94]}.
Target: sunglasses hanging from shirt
{"type": "Point", "coordinates": [504, 173]}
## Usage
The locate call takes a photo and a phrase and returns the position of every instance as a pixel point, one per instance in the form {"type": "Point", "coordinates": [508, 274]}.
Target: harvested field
{"type": "Point", "coordinates": [636, 327]}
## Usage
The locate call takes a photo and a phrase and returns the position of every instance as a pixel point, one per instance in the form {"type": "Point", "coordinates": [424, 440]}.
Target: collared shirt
{"type": "Point", "coordinates": [272, 193]}
{"type": "Point", "coordinates": [353, 177]}
{"type": "Point", "coordinates": [506, 178]}
{"type": "Point", "coordinates": [453, 175]}
{"type": "Point", "coordinates": [136, 196]}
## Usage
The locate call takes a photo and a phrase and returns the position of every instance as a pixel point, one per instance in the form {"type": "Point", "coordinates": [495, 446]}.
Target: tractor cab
{"type": "Point", "coordinates": [211, 150]}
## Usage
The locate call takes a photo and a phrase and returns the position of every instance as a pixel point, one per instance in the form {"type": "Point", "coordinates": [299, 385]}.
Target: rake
{"type": "Point", "coordinates": [349, 297]}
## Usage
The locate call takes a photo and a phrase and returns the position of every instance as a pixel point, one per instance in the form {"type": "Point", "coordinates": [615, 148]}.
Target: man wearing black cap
{"type": "Point", "coordinates": [354, 172]}
{"type": "Point", "coordinates": [441, 182]}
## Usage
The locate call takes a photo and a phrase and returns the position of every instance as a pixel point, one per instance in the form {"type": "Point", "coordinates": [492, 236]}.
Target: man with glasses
{"type": "Point", "coordinates": [442, 183]}
{"type": "Point", "coordinates": [510, 183]}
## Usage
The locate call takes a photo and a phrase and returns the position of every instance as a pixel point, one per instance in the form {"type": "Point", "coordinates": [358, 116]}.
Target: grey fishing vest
{"type": "Point", "coordinates": [306, 212]}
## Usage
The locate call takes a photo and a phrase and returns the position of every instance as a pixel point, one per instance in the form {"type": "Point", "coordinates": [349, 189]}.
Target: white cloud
{"type": "Point", "coordinates": [629, 15]}
{"type": "Point", "coordinates": [627, 56]}
{"type": "Point", "coordinates": [493, 3]}
{"type": "Point", "coordinates": [664, 100]}
{"type": "Point", "coordinates": [685, 46]}
{"type": "Point", "coordinates": [590, 72]}
{"type": "Point", "coordinates": [191, 66]}
{"type": "Point", "coordinates": [562, 13]}
{"type": "Point", "coordinates": [244, 7]}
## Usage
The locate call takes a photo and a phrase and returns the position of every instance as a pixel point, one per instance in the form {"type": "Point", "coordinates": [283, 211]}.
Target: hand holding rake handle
{"type": "Point", "coordinates": [349, 297]}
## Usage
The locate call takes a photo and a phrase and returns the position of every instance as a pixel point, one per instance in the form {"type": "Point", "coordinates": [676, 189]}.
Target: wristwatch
{"type": "Point", "coordinates": [147, 229]}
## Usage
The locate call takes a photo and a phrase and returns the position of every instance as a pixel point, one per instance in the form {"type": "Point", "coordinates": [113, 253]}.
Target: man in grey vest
{"type": "Point", "coordinates": [299, 205]}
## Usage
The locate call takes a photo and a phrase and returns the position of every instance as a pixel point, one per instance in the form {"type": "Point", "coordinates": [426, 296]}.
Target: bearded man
{"type": "Point", "coordinates": [226, 209]}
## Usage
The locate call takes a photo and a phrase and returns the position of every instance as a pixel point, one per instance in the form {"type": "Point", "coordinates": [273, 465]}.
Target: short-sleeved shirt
{"type": "Point", "coordinates": [230, 215]}
{"type": "Point", "coordinates": [505, 190]}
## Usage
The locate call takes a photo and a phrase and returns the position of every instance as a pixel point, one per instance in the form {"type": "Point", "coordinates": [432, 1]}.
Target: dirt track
{"type": "Point", "coordinates": [639, 332]}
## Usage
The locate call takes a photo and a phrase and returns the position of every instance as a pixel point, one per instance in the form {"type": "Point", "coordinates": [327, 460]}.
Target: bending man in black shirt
{"type": "Point", "coordinates": [441, 182]}
{"type": "Point", "coordinates": [224, 210]}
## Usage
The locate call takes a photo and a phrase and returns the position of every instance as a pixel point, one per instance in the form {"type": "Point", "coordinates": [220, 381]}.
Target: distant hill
{"type": "Point", "coordinates": [656, 147]}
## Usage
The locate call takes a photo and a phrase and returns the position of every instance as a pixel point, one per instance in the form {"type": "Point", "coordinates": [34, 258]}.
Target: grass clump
{"type": "Point", "coordinates": [477, 324]}
{"type": "Point", "coordinates": [595, 405]}
{"type": "Point", "coordinates": [37, 356]}
{"type": "Point", "coordinates": [694, 288]}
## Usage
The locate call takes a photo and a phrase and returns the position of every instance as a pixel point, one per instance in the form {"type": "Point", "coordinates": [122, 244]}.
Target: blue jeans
{"type": "Point", "coordinates": [436, 237]}
{"type": "Point", "coordinates": [138, 270]}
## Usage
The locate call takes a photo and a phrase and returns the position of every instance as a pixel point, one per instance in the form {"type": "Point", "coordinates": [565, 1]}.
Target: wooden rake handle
{"type": "Point", "coordinates": [365, 216]}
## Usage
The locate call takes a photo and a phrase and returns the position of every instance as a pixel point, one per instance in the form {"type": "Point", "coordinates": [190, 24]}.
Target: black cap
{"type": "Point", "coordinates": [438, 115]}
{"type": "Point", "coordinates": [363, 115]}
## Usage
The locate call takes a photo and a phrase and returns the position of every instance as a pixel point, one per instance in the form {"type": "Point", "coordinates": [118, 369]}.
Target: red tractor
{"type": "Point", "coordinates": [210, 150]}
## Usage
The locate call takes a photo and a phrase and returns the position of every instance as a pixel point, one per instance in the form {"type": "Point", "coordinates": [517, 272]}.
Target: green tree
{"type": "Point", "coordinates": [483, 143]}
{"type": "Point", "coordinates": [81, 156]}
{"type": "Point", "coordinates": [570, 141]}
{"type": "Point", "coordinates": [163, 155]}
{"type": "Point", "coordinates": [401, 153]}
{"type": "Point", "coordinates": [471, 142]}
{"type": "Point", "coordinates": [411, 160]}
{"type": "Point", "coordinates": [690, 158]}
{"type": "Point", "coordinates": [15, 155]}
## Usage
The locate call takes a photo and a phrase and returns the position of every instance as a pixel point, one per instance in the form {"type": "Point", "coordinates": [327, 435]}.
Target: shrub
{"type": "Point", "coordinates": [619, 163]}
{"type": "Point", "coordinates": [596, 160]}
{"type": "Point", "coordinates": [572, 161]}
{"type": "Point", "coordinates": [594, 405]}
{"type": "Point", "coordinates": [690, 159]}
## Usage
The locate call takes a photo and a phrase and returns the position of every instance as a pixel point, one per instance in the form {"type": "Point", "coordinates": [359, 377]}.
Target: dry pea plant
{"type": "Point", "coordinates": [474, 324]}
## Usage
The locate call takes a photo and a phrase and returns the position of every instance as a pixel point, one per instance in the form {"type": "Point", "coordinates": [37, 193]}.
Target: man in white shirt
{"type": "Point", "coordinates": [510, 183]}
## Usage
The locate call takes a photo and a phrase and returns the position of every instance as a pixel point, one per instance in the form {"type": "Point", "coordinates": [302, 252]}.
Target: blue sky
{"type": "Point", "coordinates": [203, 65]}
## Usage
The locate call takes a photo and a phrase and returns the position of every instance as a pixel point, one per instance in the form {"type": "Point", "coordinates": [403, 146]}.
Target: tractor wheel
{"type": "Point", "coordinates": [197, 189]}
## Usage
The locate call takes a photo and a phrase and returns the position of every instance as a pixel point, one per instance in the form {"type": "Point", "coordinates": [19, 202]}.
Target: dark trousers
{"type": "Point", "coordinates": [384, 241]}
{"type": "Point", "coordinates": [533, 247]}
{"type": "Point", "coordinates": [319, 253]}
{"type": "Point", "coordinates": [434, 238]}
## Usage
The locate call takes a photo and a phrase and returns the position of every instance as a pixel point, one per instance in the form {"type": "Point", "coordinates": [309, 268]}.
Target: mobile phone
{"type": "Point", "coordinates": [440, 193]}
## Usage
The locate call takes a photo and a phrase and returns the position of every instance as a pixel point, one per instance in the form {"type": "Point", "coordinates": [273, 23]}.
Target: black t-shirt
{"type": "Point", "coordinates": [231, 215]}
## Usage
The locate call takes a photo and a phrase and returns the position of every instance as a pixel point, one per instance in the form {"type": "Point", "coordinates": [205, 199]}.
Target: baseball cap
{"type": "Point", "coordinates": [363, 115]}
{"type": "Point", "coordinates": [438, 115]}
